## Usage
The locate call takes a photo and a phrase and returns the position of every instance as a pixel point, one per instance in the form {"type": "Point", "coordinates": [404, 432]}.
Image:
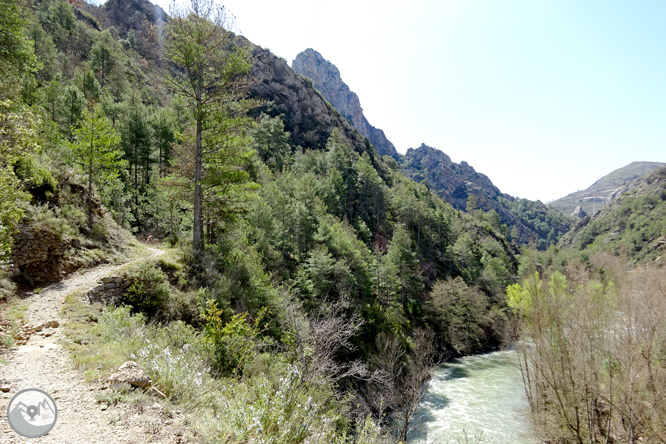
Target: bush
{"type": "Point", "coordinates": [236, 342]}
{"type": "Point", "coordinates": [36, 179]}
{"type": "Point", "coordinates": [149, 291]}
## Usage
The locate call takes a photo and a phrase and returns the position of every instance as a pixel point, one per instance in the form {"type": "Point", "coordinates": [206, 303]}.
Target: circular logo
{"type": "Point", "coordinates": [32, 413]}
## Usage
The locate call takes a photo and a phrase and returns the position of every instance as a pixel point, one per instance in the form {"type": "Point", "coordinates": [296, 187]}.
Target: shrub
{"type": "Point", "coordinates": [35, 178]}
{"type": "Point", "coordinates": [235, 343]}
{"type": "Point", "coordinates": [149, 290]}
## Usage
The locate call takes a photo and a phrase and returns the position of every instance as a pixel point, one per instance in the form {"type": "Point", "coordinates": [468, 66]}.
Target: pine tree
{"type": "Point", "coordinates": [208, 71]}
{"type": "Point", "coordinates": [96, 144]}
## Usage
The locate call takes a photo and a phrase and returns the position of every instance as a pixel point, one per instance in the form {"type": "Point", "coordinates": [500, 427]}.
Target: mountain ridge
{"type": "Point", "coordinates": [605, 189]}
{"type": "Point", "coordinates": [633, 224]}
{"type": "Point", "coordinates": [327, 79]}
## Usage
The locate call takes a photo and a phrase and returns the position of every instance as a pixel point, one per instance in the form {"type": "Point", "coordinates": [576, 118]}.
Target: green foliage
{"type": "Point", "coordinates": [632, 225]}
{"type": "Point", "coordinates": [16, 52]}
{"type": "Point", "coordinates": [148, 292]}
{"type": "Point", "coordinates": [215, 150]}
{"type": "Point", "coordinates": [236, 342]}
{"type": "Point", "coordinates": [331, 227]}
{"type": "Point", "coordinates": [35, 178]}
{"type": "Point", "coordinates": [462, 313]}
{"type": "Point", "coordinates": [96, 148]}
{"type": "Point", "coordinates": [18, 128]}
{"type": "Point", "coordinates": [548, 224]}
{"type": "Point", "coordinates": [272, 142]}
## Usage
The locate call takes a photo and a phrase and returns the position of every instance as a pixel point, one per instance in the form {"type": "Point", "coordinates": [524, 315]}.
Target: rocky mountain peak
{"type": "Point", "coordinates": [452, 181]}
{"type": "Point", "coordinates": [307, 116]}
{"type": "Point", "coordinates": [326, 78]}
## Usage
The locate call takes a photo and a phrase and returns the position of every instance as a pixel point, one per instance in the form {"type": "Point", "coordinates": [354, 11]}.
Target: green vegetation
{"type": "Point", "coordinates": [545, 224]}
{"type": "Point", "coordinates": [310, 269]}
{"type": "Point", "coordinates": [593, 198]}
{"type": "Point", "coordinates": [311, 288]}
{"type": "Point", "coordinates": [631, 226]}
{"type": "Point", "coordinates": [594, 364]}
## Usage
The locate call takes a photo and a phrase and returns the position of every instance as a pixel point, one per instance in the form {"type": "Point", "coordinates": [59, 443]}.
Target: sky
{"type": "Point", "coordinates": [544, 97]}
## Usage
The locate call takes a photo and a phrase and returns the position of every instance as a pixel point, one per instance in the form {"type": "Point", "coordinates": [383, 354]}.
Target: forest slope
{"type": "Point", "coordinates": [605, 189]}
{"type": "Point", "coordinates": [632, 225]}
{"type": "Point", "coordinates": [320, 264]}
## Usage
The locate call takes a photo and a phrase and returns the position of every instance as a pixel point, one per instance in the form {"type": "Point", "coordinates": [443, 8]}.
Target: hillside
{"type": "Point", "coordinates": [633, 224]}
{"type": "Point", "coordinates": [327, 80]}
{"type": "Point", "coordinates": [467, 190]}
{"type": "Point", "coordinates": [527, 221]}
{"type": "Point", "coordinates": [605, 189]}
{"type": "Point", "coordinates": [306, 269]}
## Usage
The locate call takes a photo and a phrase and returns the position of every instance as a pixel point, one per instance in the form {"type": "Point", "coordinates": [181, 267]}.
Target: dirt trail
{"type": "Point", "coordinates": [45, 364]}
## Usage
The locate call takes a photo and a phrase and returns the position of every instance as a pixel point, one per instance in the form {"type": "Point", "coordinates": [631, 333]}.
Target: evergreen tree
{"type": "Point", "coordinates": [164, 137]}
{"type": "Point", "coordinates": [208, 71]}
{"type": "Point", "coordinates": [96, 144]}
{"type": "Point", "coordinates": [272, 142]}
{"type": "Point", "coordinates": [401, 256]}
{"type": "Point", "coordinates": [136, 141]}
{"type": "Point", "coordinates": [72, 105]}
{"type": "Point", "coordinates": [103, 57]}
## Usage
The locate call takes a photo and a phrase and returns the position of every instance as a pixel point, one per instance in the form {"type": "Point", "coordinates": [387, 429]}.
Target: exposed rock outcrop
{"type": "Point", "coordinates": [131, 373]}
{"type": "Point", "coordinates": [579, 213]}
{"type": "Point", "coordinates": [455, 183]}
{"type": "Point", "coordinates": [307, 115]}
{"type": "Point", "coordinates": [132, 14]}
{"type": "Point", "coordinates": [327, 80]}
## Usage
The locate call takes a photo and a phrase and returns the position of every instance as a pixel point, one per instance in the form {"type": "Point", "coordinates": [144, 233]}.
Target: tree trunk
{"type": "Point", "coordinates": [90, 175]}
{"type": "Point", "coordinates": [197, 241]}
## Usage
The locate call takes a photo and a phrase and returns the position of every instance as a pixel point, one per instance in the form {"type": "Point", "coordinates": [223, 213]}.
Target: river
{"type": "Point", "coordinates": [477, 399]}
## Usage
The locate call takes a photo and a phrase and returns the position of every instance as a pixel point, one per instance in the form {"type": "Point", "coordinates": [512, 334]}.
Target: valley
{"type": "Point", "coordinates": [178, 197]}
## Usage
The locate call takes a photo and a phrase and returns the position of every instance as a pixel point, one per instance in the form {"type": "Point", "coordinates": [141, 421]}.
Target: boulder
{"type": "Point", "coordinates": [131, 373]}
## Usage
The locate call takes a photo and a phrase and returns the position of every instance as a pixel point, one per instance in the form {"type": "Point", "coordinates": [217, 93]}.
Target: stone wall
{"type": "Point", "coordinates": [33, 246]}
{"type": "Point", "coordinates": [110, 291]}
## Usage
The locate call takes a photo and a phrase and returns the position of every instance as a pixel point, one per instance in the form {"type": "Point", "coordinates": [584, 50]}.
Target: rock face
{"type": "Point", "coordinates": [454, 182]}
{"type": "Point", "coordinates": [605, 189]}
{"type": "Point", "coordinates": [327, 80]}
{"type": "Point", "coordinates": [307, 115]}
{"type": "Point", "coordinates": [132, 14]}
{"type": "Point", "coordinates": [579, 213]}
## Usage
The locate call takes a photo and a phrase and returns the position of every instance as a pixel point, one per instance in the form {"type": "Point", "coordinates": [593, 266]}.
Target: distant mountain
{"type": "Point", "coordinates": [461, 185]}
{"type": "Point", "coordinates": [603, 190]}
{"type": "Point", "coordinates": [454, 182]}
{"type": "Point", "coordinates": [633, 224]}
{"type": "Point", "coordinates": [327, 80]}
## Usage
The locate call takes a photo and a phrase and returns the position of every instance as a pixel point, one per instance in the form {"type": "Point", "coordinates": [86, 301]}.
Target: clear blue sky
{"type": "Point", "coordinates": [544, 97]}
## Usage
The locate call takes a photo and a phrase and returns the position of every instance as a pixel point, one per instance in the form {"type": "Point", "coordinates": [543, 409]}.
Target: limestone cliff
{"type": "Point", "coordinates": [306, 114]}
{"type": "Point", "coordinates": [327, 80]}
